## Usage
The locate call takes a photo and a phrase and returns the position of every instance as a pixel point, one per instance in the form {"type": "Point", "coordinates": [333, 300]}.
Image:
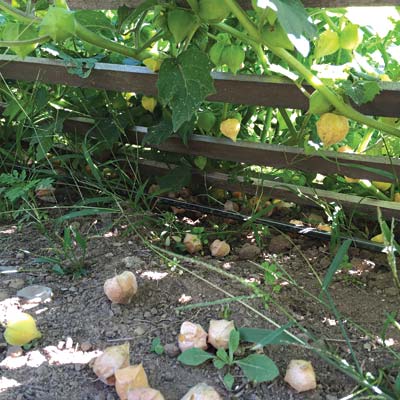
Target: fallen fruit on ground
{"type": "Point", "coordinates": [131, 377]}
{"type": "Point", "coordinates": [144, 394]}
{"type": "Point", "coordinates": [192, 336]}
{"type": "Point", "coordinates": [219, 248]}
{"type": "Point", "coordinates": [230, 128]}
{"type": "Point", "coordinates": [202, 391]}
{"type": "Point", "coordinates": [121, 288]}
{"type": "Point", "coordinates": [219, 332]}
{"type": "Point", "coordinates": [107, 364]}
{"type": "Point", "coordinates": [192, 243]}
{"type": "Point", "coordinates": [21, 329]}
{"type": "Point", "coordinates": [300, 376]}
{"type": "Point", "coordinates": [332, 128]}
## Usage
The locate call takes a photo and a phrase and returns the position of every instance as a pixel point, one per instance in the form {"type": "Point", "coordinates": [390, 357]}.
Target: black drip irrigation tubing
{"type": "Point", "coordinates": [285, 227]}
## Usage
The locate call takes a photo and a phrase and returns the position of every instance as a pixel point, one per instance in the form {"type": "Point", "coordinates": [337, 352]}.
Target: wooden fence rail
{"type": "Point", "coordinates": [239, 89]}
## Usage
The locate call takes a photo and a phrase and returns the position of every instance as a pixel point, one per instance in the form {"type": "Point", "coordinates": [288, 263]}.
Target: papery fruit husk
{"type": "Point", "coordinates": [219, 248]}
{"type": "Point", "coordinates": [202, 391]}
{"type": "Point", "coordinates": [192, 336]}
{"type": "Point", "coordinates": [121, 288]}
{"type": "Point", "coordinates": [21, 329]}
{"type": "Point", "coordinates": [300, 375]}
{"type": "Point", "coordinates": [144, 394]}
{"type": "Point", "coordinates": [112, 359]}
{"type": "Point", "coordinates": [131, 377]}
{"type": "Point", "coordinates": [192, 243]}
{"type": "Point", "coordinates": [219, 332]}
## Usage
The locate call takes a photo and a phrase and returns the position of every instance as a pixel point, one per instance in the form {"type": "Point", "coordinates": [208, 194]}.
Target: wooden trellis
{"type": "Point", "coordinates": [240, 89]}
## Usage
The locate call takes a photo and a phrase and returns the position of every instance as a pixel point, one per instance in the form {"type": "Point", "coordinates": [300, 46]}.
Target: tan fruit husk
{"type": "Point", "coordinates": [202, 391]}
{"type": "Point", "coordinates": [324, 227]}
{"type": "Point", "coordinates": [300, 376]}
{"type": "Point", "coordinates": [230, 128]}
{"type": "Point", "coordinates": [121, 288]}
{"type": "Point", "coordinates": [144, 394]}
{"type": "Point", "coordinates": [131, 377]}
{"type": "Point", "coordinates": [332, 128]}
{"type": "Point", "coordinates": [112, 359]}
{"type": "Point", "coordinates": [219, 332]}
{"type": "Point", "coordinates": [192, 336]}
{"type": "Point", "coordinates": [219, 248]}
{"type": "Point", "coordinates": [192, 243]}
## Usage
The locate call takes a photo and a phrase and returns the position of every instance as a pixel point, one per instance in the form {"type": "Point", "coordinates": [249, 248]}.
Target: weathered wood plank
{"type": "Point", "coordinates": [298, 194]}
{"type": "Point", "coordinates": [277, 156]}
{"type": "Point", "coordinates": [239, 89]}
{"type": "Point", "coordinates": [113, 4]}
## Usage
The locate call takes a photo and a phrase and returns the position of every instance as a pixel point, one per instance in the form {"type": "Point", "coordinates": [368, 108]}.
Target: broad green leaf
{"type": "Point", "coordinates": [176, 179]}
{"type": "Point", "coordinates": [200, 162]}
{"type": "Point", "coordinates": [194, 357]}
{"type": "Point", "coordinates": [361, 91]}
{"type": "Point", "coordinates": [159, 133]}
{"type": "Point", "coordinates": [335, 265]}
{"type": "Point", "coordinates": [257, 335]}
{"type": "Point", "coordinates": [275, 335]}
{"type": "Point", "coordinates": [15, 31]}
{"type": "Point", "coordinates": [218, 363]}
{"type": "Point", "coordinates": [234, 339]}
{"type": "Point", "coordinates": [184, 83]}
{"type": "Point", "coordinates": [229, 380]}
{"type": "Point", "coordinates": [126, 15]}
{"type": "Point", "coordinates": [223, 355]}
{"type": "Point", "coordinates": [258, 368]}
{"type": "Point", "coordinates": [94, 20]}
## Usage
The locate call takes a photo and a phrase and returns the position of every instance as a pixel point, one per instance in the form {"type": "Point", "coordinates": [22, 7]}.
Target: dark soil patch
{"type": "Point", "coordinates": [80, 320]}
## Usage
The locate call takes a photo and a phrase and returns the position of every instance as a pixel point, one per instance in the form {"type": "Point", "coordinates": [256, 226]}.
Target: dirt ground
{"type": "Point", "coordinates": [80, 320]}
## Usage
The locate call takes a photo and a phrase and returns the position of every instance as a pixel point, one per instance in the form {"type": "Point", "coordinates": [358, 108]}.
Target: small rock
{"type": "Point", "coordinates": [86, 346]}
{"type": "Point", "coordinates": [35, 293]}
{"type": "Point", "coordinates": [16, 283]}
{"type": "Point", "coordinates": [109, 255]}
{"type": "Point", "coordinates": [279, 244]}
{"type": "Point", "coordinates": [147, 314]}
{"type": "Point", "coordinates": [20, 255]}
{"type": "Point", "coordinates": [69, 343]}
{"type": "Point", "coordinates": [330, 397]}
{"type": "Point", "coordinates": [116, 309]}
{"type": "Point", "coordinates": [171, 350]}
{"type": "Point", "coordinates": [154, 311]}
{"type": "Point", "coordinates": [249, 252]}
{"type": "Point", "coordinates": [139, 331]}
{"type": "Point", "coordinates": [20, 397]}
{"type": "Point", "coordinates": [168, 376]}
{"type": "Point", "coordinates": [392, 291]}
{"type": "Point", "coordinates": [4, 295]}
{"type": "Point", "coordinates": [110, 396]}
{"type": "Point", "coordinates": [133, 262]}
{"type": "Point", "coordinates": [100, 396]}
{"type": "Point", "coordinates": [14, 351]}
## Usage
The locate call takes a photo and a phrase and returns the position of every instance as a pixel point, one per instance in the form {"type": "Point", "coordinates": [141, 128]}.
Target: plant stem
{"type": "Point", "coordinates": [17, 43]}
{"type": "Point", "coordinates": [18, 14]}
{"type": "Point", "coordinates": [314, 81]}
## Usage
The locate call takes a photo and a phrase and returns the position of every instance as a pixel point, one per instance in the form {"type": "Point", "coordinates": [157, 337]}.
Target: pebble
{"type": "Point", "coordinates": [110, 397]}
{"type": "Point", "coordinates": [249, 252]}
{"type": "Point", "coordinates": [116, 309]}
{"type": "Point", "coordinates": [147, 314]}
{"type": "Point", "coordinates": [279, 244]}
{"type": "Point", "coordinates": [330, 397]}
{"type": "Point", "coordinates": [171, 350]}
{"type": "Point", "coordinates": [14, 351]}
{"type": "Point", "coordinates": [86, 346]}
{"type": "Point", "coordinates": [16, 283]}
{"type": "Point", "coordinates": [139, 331]}
{"type": "Point", "coordinates": [4, 295]}
{"type": "Point", "coordinates": [132, 262]}
{"type": "Point", "coordinates": [154, 311]}
{"type": "Point", "coordinates": [35, 293]}
{"type": "Point", "coordinates": [20, 397]}
{"type": "Point", "coordinates": [100, 396]}
{"type": "Point", "coordinates": [20, 255]}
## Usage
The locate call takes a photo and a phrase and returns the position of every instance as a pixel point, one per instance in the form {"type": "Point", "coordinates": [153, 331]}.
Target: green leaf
{"type": "Point", "coordinates": [200, 162]}
{"type": "Point", "coordinates": [223, 355]}
{"type": "Point", "coordinates": [184, 83]}
{"type": "Point", "coordinates": [397, 385]}
{"type": "Point", "coordinates": [361, 91]}
{"type": "Point", "coordinates": [258, 368]}
{"type": "Point", "coordinates": [335, 265]}
{"type": "Point", "coordinates": [257, 335]}
{"type": "Point", "coordinates": [176, 179]}
{"type": "Point", "coordinates": [234, 339]}
{"type": "Point", "coordinates": [156, 346]}
{"type": "Point", "coordinates": [94, 20]}
{"type": "Point", "coordinates": [229, 380]}
{"type": "Point", "coordinates": [159, 133]}
{"type": "Point", "coordinates": [194, 357]}
{"type": "Point", "coordinates": [218, 363]}
{"type": "Point", "coordinates": [15, 31]}
{"type": "Point", "coordinates": [275, 335]}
